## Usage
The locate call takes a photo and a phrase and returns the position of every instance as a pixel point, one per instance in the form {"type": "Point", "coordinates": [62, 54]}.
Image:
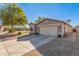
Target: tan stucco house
{"type": "Point", "coordinates": [1, 28]}
{"type": "Point", "coordinates": [76, 28]}
{"type": "Point", "coordinates": [32, 27]}
{"type": "Point", "coordinates": [53, 27]}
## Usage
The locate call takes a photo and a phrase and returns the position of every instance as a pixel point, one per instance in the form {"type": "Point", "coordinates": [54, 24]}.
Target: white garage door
{"type": "Point", "coordinates": [49, 30]}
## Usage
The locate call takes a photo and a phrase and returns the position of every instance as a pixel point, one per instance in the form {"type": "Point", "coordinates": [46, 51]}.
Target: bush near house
{"type": "Point", "coordinates": [12, 30]}
{"type": "Point", "coordinates": [19, 33]}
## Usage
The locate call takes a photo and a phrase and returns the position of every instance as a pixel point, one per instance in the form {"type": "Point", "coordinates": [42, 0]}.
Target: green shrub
{"type": "Point", "coordinates": [19, 33]}
{"type": "Point", "coordinates": [12, 30]}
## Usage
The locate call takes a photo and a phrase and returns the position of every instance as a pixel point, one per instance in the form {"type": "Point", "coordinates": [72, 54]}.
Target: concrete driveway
{"type": "Point", "coordinates": [19, 46]}
{"type": "Point", "coordinates": [67, 46]}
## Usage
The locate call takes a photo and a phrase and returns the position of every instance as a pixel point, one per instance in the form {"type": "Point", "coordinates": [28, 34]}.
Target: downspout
{"type": "Point", "coordinates": [64, 30]}
{"type": "Point", "coordinates": [36, 30]}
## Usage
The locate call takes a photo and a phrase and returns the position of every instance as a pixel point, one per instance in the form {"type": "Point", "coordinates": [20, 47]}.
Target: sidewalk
{"type": "Point", "coordinates": [18, 48]}
{"type": "Point", "coordinates": [3, 32]}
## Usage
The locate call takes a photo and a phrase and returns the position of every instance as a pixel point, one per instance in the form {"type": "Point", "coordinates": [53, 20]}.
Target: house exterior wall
{"type": "Point", "coordinates": [68, 29]}
{"type": "Point", "coordinates": [32, 28]}
{"type": "Point", "coordinates": [77, 29]}
{"type": "Point", "coordinates": [65, 29]}
{"type": "Point", "coordinates": [1, 29]}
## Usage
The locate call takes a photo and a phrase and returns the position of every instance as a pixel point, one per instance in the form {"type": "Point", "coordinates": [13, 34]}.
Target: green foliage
{"type": "Point", "coordinates": [39, 19]}
{"type": "Point", "coordinates": [69, 20]}
{"type": "Point", "coordinates": [12, 14]}
{"type": "Point", "coordinates": [12, 30]}
{"type": "Point", "coordinates": [19, 33]}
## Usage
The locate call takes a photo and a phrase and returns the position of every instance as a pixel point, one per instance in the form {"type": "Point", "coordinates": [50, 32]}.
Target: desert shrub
{"type": "Point", "coordinates": [19, 33]}
{"type": "Point", "coordinates": [12, 30]}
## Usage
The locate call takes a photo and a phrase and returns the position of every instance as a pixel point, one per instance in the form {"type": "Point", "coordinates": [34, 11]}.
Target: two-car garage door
{"type": "Point", "coordinates": [49, 30]}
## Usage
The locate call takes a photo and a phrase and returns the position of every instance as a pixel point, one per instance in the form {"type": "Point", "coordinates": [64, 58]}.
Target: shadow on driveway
{"type": "Point", "coordinates": [52, 46]}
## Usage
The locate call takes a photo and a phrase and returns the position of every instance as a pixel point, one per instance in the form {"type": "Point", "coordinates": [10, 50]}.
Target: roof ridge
{"type": "Point", "coordinates": [55, 20]}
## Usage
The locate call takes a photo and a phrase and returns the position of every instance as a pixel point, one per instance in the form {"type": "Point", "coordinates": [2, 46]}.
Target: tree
{"type": "Point", "coordinates": [12, 14]}
{"type": "Point", "coordinates": [69, 20]}
{"type": "Point", "coordinates": [39, 19]}
{"type": "Point", "coordinates": [21, 16]}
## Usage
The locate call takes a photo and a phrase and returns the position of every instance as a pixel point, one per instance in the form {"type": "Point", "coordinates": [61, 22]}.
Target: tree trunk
{"type": "Point", "coordinates": [11, 26]}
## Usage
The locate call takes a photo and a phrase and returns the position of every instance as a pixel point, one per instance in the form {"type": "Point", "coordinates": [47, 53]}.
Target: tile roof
{"type": "Point", "coordinates": [54, 20]}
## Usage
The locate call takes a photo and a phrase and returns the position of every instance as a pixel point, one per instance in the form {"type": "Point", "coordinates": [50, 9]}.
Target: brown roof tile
{"type": "Point", "coordinates": [53, 20]}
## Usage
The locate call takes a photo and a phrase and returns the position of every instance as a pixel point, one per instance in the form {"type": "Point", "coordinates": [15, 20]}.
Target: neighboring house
{"type": "Point", "coordinates": [18, 27]}
{"type": "Point", "coordinates": [21, 27]}
{"type": "Point", "coordinates": [32, 27]}
{"type": "Point", "coordinates": [53, 27]}
{"type": "Point", "coordinates": [1, 28]}
{"type": "Point", "coordinates": [77, 28]}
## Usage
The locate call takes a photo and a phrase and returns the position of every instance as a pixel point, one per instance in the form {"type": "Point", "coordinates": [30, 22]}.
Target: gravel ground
{"type": "Point", "coordinates": [68, 46]}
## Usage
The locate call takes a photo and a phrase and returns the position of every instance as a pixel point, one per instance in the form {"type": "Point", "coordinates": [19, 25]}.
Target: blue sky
{"type": "Point", "coordinates": [60, 11]}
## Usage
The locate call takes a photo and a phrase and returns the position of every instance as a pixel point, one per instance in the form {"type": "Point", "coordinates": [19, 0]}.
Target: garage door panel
{"type": "Point", "coordinates": [42, 31]}
{"type": "Point", "coordinates": [49, 30]}
{"type": "Point", "coordinates": [53, 34]}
